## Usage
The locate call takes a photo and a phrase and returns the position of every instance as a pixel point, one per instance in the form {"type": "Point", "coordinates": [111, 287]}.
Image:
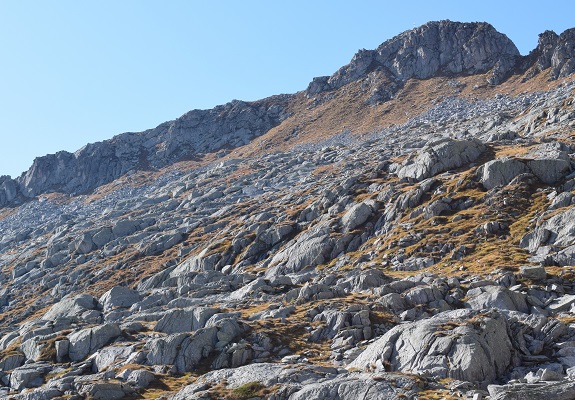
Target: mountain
{"type": "Point", "coordinates": [400, 229]}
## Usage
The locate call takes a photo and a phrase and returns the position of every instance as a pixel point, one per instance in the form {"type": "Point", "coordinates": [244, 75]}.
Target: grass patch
{"type": "Point", "coordinates": [252, 389]}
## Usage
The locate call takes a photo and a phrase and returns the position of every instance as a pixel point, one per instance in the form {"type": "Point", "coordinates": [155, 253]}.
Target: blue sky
{"type": "Point", "coordinates": [75, 72]}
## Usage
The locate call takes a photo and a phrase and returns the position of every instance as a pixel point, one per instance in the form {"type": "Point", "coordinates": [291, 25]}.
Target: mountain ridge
{"type": "Point", "coordinates": [393, 237]}
{"type": "Point", "coordinates": [414, 54]}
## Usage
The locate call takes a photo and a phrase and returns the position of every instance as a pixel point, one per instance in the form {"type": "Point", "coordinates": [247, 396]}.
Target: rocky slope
{"type": "Point", "coordinates": [401, 229]}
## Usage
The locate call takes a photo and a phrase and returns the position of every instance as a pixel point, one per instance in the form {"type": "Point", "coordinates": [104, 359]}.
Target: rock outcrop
{"type": "Point", "coordinates": [440, 48]}
{"type": "Point", "coordinates": [196, 132]}
{"type": "Point", "coordinates": [555, 52]}
{"type": "Point", "coordinates": [436, 48]}
{"type": "Point", "coordinates": [429, 259]}
{"type": "Point", "coordinates": [440, 156]}
{"type": "Point", "coordinates": [462, 345]}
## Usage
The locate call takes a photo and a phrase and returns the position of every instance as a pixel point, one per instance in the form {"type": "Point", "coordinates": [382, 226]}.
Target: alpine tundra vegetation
{"type": "Point", "coordinates": [401, 229]}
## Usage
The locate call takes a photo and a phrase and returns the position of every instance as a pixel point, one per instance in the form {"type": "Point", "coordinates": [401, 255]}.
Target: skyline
{"type": "Point", "coordinates": [77, 73]}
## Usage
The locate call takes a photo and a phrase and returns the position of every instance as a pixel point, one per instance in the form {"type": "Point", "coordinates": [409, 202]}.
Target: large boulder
{"type": "Point", "coordinates": [109, 355]}
{"type": "Point", "coordinates": [185, 350]}
{"type": "Point", "coordinates": [106, 390]}
{"type": "Point", "coordinates": [462, 344]}
{"type": "Point", "coordinates": [360, 386]}
{"type": "Point", "coordinates": [71, 307]}
{"type": "Point", "coordinates": [185, 320]}
{"type": "Point", "coordinates": [549, 170]}
{"type": "Point", "coordinates": [12, 361]}
{"type": "Point", "coordinates": [357, 215]}
{"type": "Point", "coordinates": [549, 161]}
{"type": "Point", "coordinates": [440, 156]}
{"type": "Point", "coordinates": [125, 227]}
{"type": "Point", "coordinates": [310, 248]}
{"type": "Point", "coordinates": [88, 340]}
{"type": "Point", "coordinates": [501, 171]}
{"type": "Point", "coordinates": [562, 390]}
{"type": "Point", "coordinates": [141, 378]}
{"type": "Point", "coordinates": [28, 376]}
{"type": "Point", "coordinates": [492, 296]}
{"type": "Point", "coordinates": [119, 296]}
{"type": "Point", "coordinates": [554, 234]}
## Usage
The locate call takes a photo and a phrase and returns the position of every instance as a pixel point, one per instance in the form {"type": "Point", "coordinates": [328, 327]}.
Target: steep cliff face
{"type": "Point", "coordinates": [436, 48]}
{"type": "Point", "coordinates": [441, 48]}
{"type": "Point", "coordinates": [554, 53]}
{"type": "Point", "coordinates": [563, 58]}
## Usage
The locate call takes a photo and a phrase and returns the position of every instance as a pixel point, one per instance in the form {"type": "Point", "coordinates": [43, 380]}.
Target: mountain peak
{"type": "Point", "coordinates": [436, 48]}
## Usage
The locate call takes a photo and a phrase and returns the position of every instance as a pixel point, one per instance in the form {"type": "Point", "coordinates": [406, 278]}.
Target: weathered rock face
{"type": "Point", "coordinates": [197, 131]}
{"type": "Point", "coordinates": [487, 297]}
{"type": "Point", "coordinates": [500, 172]}
{"type": "Point", "coordinates": [357, 215]}
{"type": "Point", "coordinates": [436, 48]}
{"type": "Point", "coordinates": [545, 49]}
{"type": "Point", "coordinates": [359, 386]}
{"type": "Point", "coordinates": [186, 350]}
{"type": "Point", "coordinates": [260, 263]}
{"type": "Point", "coordinates": [440, 48]}
{"type": "Point", "coordinates": [184, 320]}
{"type": "Point", "coordinates": [119, 296]}
{"type": "Point", "coordinates": [534, 391]}
{"type": "Point", "coordinates": [555, 52]}
{"type": "Point", "coordinates": [8, 190]}
{"type": "Point", "coordinates": [458, 344]}
{"type": "Point", "coordinates": [552, 240]}
{"type": "Point", "coordinates": [563, 58]}
{"type": "Point", "coordinates": [71, 307]}
{"type": "Point", "coordinates": [439, 156]}
{"type": "Point", "coordinates": [89, 340]}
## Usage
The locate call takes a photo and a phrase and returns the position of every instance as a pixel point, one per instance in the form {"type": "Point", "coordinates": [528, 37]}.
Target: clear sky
{"type": "Point", "coordinates": [74, 72]}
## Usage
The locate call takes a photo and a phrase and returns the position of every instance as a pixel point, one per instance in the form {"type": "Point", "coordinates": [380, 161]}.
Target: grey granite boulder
{"type": "Point", "coordinates": [487, 297]}
{"type": "Point", "coordinates": [162, 351]}
{"type": "Point", "coordinates": [500, 172]}
{"type": "Point", "coordinates": [439, 156]}
{"type": "Point", "coordinates": [110, 355]}
{"type": "Point", "coordinates": [182, 350]}
{"type": "Point", "coordinates": [88, 340]}
{"type": "Point", "coordinates": [10, 362]}
{"type": "Point", "coordinates": [28, 376]}
{"type": "Point", "coordinates": [556, 233]}
{"type": "Point", "coordinates": [364, 386]}
{"type": "Point", "coordinates": [119, 296]}
{"type": "Point", "coordinates": [106, 390]}
{"type": "Point", "coordinates": [549, 171]}
{"type": "Point", "coordinates": [125, 227]}
{"type": "Point", "coordinates": [562, 390]}
{"type": "Point", "coordinates": [71, 307]}
{"type": "Point", "coordinates": [461, 344]}
{"type": "Point", "coordinates": [357, 215]}
{"type": "Point", "coordinates": [185, 320]}
{"type": "Point", "coordinates": [141, 379]}
{"type": "Point", "coordinates": [534, 272]}
{"type": "Point", "coordinates": [309, 248]}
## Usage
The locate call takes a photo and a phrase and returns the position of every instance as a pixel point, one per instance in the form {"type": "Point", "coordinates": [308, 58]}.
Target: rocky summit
{"type": "Point", "coordinates": [402, 229]}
